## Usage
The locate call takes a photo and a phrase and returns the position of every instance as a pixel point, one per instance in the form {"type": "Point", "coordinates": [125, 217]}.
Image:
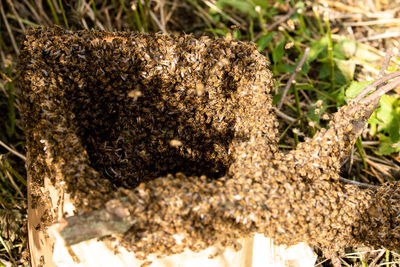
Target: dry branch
{"type": "Point", "coordinates": [293, 76]}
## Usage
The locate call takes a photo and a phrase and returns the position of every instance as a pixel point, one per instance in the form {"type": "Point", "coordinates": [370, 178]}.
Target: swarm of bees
{"type": "Point", "coordinates": [185, 129]}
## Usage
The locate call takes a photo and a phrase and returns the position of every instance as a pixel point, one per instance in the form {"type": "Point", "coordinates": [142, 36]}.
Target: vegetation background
{"type": "Point", "coordinates": [321, 52]}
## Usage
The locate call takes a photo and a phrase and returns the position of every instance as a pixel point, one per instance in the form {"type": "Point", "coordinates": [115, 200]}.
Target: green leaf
{"type": "Point", "coordinates": [222, 32]}
{"type": "Point", "coordinates": [246, 7]}
{"type": "Point", "coordinates": [355, 88]}
{"type": "Point", "coordinates": [339, 95]}
{"type": "Point", "coordinates": [316, 49]}
{"type": "Point", "coordinates": [264, 40]}
{"type": "Point", "coordinates": [386, 111]}
{"type": "Point", "coordinates": [374, 119]}
{"type": "Point", "coordinates": [285, 68]}
{"type": "Point", "coordinates": [340, 79]}
{"type": "Point", "coordinates": [262, 3]}
{"type": "Point", "coordinates": [350, 48]}
{"type": "Point", "coordinates": [386, 146]}
{"type": "Point", "coordinates": [299, 5]}
{"type": "Point", "coordinates": [346, 67]}
{"type": "Point", "coordinates": [237, 35]}
{"type": "Point", "coordinates": [279, 51]}
{"type": "Point", "coordinates": [324, 71]}
{"type": "Point", "coordinates": [386, 120]}
{"type": "Point", "coordinates": [389, 115]}
{"type": "Point", "coordinates": [364, 53]}
{"type": "Point", "coordinates": [394, 130]}
{"type": "Point", "coordinates": [345, 47]}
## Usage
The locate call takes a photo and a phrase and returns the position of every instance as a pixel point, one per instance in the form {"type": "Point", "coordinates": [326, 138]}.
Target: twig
{"type": "Point", "coordinates": [10, 3]}
{"type": "Point", "coordinates": [307, 99]}
{"type": "Point", "coordinates": [376, 175]}
{"type": "Point", "coordinates": [3, 15]}
{"type": "Point", "coordinates": [370, 103]}
{"type": "Point", "coordinates": [42, 12]}
{"type": "Point", "coordinates": [203, 14]}
{"type": "Point", "coordinates": [380, 167]}
{"type": "Point", "coordinates": [91, 14]}
{"type": "Point", "coordinates": [380, 36]}
{"type": "Point", "coordinates": [281, 20]}
{"type": "Point", "coordinates": [372, 86]}
{"type": "Point", "coordinates": [154, 17]}
{"type": "Point", "coordinates": [13, 183]}
{"type": "Point", "coordinates": [162, 15]}
{"type": "Point", "coordinates": [365, 179]}
{"type": "Point", "coordinates": [384, 161]}
{"type": "Point", "coordinates": [336, 261]}
{"type": "Point", "coordinates": [372, 22]}
{"type": "Point", "coordinates": [342, 6]}
{"type": "Point", "coordinates": [114, 218]}
{"type": "Point", "coordinates": [7, 248]}
{"type": "Point", "coordinates": [13, 151]}
{"type": "Point", "coordinates": [372, 174]}
{"type": "Point", "coordinates": [230, 18]}
{"type": "Point", "coordinates": [170, 12]}
{"type": "Point", "coordinates": [370, 143]}
{"type": "Point", "coordinates": [7, 173]}
{"type": "Point", "coordinates": [386, 62]}
{"type": "Point", "coordinates": [351, 160]}
{"type": "Point", "coordinates": [39, 20]}
{"type": "Point", "coordinates": [359, 184]}
{"type": "Point", "coordinates": [284, 116]}
{"type": "Point", "coordinates": [277, 23]}
{"type": "Point", "coordinates": [320, 263]}
{"type": "Point", "coordinates": [373, 263]}
{"type": "Point", "coordinates": [330, 50]}
{"type": "Point", "coordinates": [381, 91]}
{"type": "Point", "coordinates": [108, 19]}
{"type": "Point", "coordinates": [371, 5]}
{"type": "Point", "coordinates": [292, 77]}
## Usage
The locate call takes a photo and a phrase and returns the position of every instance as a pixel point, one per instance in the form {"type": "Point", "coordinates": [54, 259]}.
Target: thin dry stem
{"type": "Point", "coordinates": [39, 20]}
{"type": "Point", "coordinates": [42, 12]}
{"type": "Point", "coordinates": [230, 18]}
{"type": "Point", "coordinates": [21, 25]}
{"type": "Point", "coordinates": [159, 24]}
{"type": "Point", "coordinates": [9, 176]}
{"type": "Point", "coordinates": [369, 88]}
{"type": "Point", "coordinates": [373, 22]}
{"type": "Point", "coordinates": [3, 15]}
{"type": "Point", "coordinates": [13, 151]}
{"type": "Point", "coordinates": [281, 20]}
{"type": "Point", "coordinates": [359, 184]}
{"type": "Point", "coordinates": [293, 76]}
{"type": "Point", "coordinates": [380, 167]}
{"type": "Point", "coordinates": [388, 34]}
{"type": "Point", "coordinates": [277, 23]}
{"type": "Point", "coordinates": [284, 116]}
{"type": "Point", "coordinates": [386, 61]}
{"type": "Point", "coordinates": [381, 91]}
{"type": "Point", "coordinates": [373, 263]}
{"type": "Point", "coordinates": [170, 12]}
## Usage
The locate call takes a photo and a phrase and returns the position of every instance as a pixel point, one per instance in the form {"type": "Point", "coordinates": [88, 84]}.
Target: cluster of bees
{"type": "Point", "coordinates": [185, 129]}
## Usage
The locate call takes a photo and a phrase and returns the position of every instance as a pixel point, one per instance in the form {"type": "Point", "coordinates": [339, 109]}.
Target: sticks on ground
{"type": "Point", "coordinates": [293, 76]}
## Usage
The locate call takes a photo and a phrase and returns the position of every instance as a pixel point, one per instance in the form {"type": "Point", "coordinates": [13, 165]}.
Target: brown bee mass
{"type": "Point", "coordinates": [184, 129]}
